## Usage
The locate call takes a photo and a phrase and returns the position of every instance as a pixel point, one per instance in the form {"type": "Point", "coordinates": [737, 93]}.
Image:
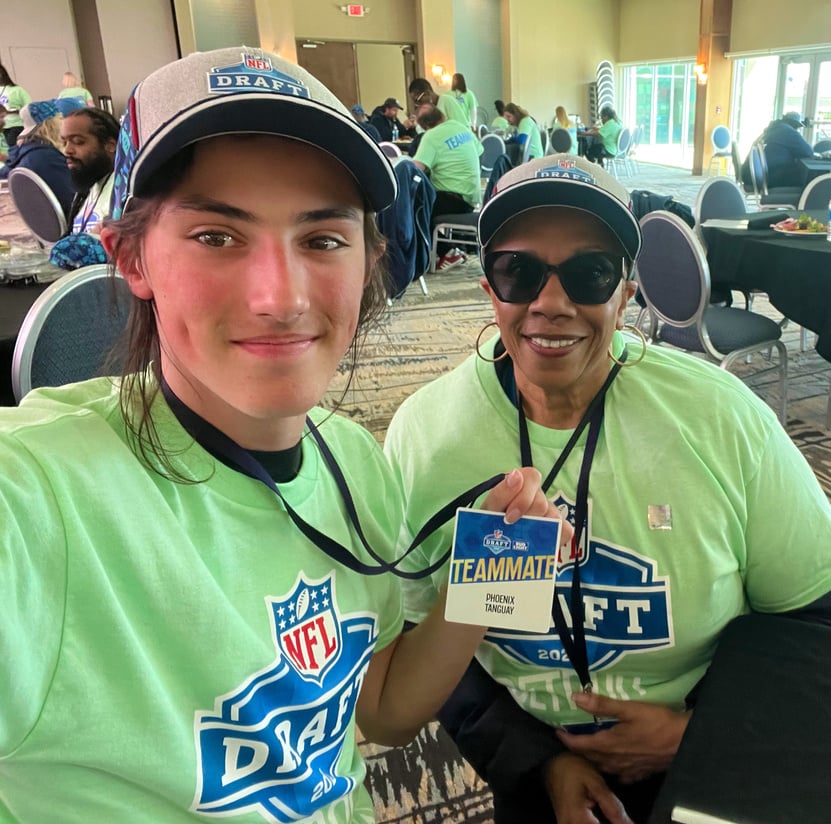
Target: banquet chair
{"type": "Point", "coordinates": [544, 140]}
{"type": "Point", "coordinates": [482, 129]}
{"type": "Point", "coordinates": [717, 198]}
{"type": "Point", "coordinates": [37, 205]}
{"type": "Point", "coordinates": [560, 142]}
{"type": "Point", "coordinates": [822, 146]}
{"type": "Point", "coordinates": [817, 194]}
{"type": "Point", "coordinates": [785, 197]}
{"type": "Point", "coordinates": [458, 230]}
{"type": "Point", "coordinates": [674, 279]}
{"type": "Point", "coordinates": [721, 142]}
{"type": "Point", "coordinates": [390, 149]}
{"type": "Point", "coordinates": [70, 330]}
{"type": "Point", "coordinates": [492, 147]}
{"type": "Point", "coordinates": [619, 157]}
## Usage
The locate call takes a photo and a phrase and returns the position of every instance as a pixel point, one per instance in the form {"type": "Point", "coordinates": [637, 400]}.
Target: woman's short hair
{"type": "Point", "coordinates": [608, 112]}
{"type": "Point", "coordinates": [458, 83]}
{"type": "Point", "coordinates": [499, 105]}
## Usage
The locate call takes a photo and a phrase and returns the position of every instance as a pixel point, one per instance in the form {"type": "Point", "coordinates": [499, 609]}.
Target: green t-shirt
{"type": "Point", "coordinates": [528, 126]}
{"type": "Point", "coordinates": [78, 91]}
{"type": "Point", "coordinates": [451, 153]}
{"type": "Point", "coordinates": [500, 122]}
{"type": "Point", "coordinates": [14, 98]}
{"type": "Point", "coordinates": [468, 101]}
{"type": "Point", "coordinates": [608, 133]}
{"type": "Point", "coordinates": [181, 648]}
{"type": "Point", "coordinates": [450, 107]}
{"type": "Point", "coordinates": [700, 509]}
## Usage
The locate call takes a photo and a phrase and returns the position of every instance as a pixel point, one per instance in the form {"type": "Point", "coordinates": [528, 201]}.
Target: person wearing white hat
{"type": "Point", "coordinates": [197, 588]}
{"type": "Point", "coordinates": [672, 472]}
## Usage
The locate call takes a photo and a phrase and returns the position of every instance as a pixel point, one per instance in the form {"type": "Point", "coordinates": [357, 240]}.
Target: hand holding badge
{"type": "Point", "coordinates": [503, 566]}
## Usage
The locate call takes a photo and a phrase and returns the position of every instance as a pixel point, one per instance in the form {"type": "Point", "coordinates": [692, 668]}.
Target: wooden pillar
{"type": "Point", "coordinates": [712, 100]}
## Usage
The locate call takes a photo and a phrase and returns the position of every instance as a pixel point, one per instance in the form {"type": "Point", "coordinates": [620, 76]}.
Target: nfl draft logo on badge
{"type": "Point", "coordinates": [272, 745]}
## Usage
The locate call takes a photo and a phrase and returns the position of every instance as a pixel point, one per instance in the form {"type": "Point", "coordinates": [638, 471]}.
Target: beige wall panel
{"type": "Point", "coordinates": [380, 75]}
{"type": "Point", "coordinates": [438, 48]}
{"type": "Point", "coordinates": [37, 44]}
{"type": "Point", "coordinates": [138, 38]}
{"type": "Point", "coordinates": [768, 24]}
{"type": "Point", "coordinates": [554, 52]}
{"type": "Point", "coordinates": [276, 22]}
{"type": "Point", "coordinates": [658, 30]}
{"type": "Point", "coordinates": [389, 21]}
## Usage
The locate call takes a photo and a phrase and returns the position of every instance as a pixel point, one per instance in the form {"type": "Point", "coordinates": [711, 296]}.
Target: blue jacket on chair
{"type": "Point", "coordinates": [406, 226]}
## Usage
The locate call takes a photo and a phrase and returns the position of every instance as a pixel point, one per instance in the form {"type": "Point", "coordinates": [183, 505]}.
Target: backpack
{"type": "Point", "coordinates": [406, 226]}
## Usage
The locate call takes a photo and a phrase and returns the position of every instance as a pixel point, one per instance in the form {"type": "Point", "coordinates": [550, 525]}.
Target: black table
{"type": "Point", "coordinates": [758, 744]}
{"type": "Point", "coordinates": [16, 298]}
{"type": "Point", "coordinates": [814, 167]}
{"type": "Point", "coordinates": [795, 272]}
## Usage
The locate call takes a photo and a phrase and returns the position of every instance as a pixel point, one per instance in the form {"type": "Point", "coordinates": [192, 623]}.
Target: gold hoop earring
{"type": "Point", "coordinates": [479, 340]}
{"type": "Point", "coordinates": [644, 344]}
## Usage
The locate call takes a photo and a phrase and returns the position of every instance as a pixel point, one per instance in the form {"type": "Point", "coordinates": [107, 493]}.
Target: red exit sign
{"type": "Point", "coordinates": [354, 10]}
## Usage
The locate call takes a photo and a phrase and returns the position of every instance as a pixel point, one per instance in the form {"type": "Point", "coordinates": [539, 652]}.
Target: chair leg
{"type": "Point", "coordinates": [423, 284]}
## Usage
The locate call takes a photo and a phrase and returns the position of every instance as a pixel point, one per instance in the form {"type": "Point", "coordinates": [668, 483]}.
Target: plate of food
{"type": "Point", "coordinates": [802, 226]}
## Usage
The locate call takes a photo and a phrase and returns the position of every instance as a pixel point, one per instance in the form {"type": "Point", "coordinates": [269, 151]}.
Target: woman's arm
{"type": "Point", "coordinates": [410, 679]}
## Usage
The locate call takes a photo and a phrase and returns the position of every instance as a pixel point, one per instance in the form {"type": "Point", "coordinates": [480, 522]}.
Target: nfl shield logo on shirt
{"type": "Point", "coordinates": [273, 744]}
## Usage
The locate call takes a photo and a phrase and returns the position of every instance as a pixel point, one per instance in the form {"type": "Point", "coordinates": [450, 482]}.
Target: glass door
{"type": "Point", "coordinates": [805, 86]}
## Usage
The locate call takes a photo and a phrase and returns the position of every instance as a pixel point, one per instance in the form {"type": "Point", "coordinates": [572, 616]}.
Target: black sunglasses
{"type": "Point", "coordinates": [518, 277]}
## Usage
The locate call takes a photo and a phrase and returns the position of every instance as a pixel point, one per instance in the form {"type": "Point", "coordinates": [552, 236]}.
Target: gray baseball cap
{"type": "Point", "coordinates": [240, 91]}
{"type": "Point", "coordinates": [561, 180]}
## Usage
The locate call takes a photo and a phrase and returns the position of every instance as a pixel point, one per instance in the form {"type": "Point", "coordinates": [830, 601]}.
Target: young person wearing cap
{"type": "Point", "coordinates": [191, 601]}
{"type": "Point", "coordinates": [674, 474]}
{"type": "Point", "coordinates": [38, 149]}
{"type": "Point", "coordinates": [385, 119]}
{"type": "Point", "coordinates": [363, 121]}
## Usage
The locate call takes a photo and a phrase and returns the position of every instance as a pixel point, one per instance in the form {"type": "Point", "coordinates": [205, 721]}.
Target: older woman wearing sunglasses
{"type": "Point", "coordinates": [672, 472]}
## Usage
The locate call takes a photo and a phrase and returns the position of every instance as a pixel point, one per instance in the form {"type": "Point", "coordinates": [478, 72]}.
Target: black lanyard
{"type": "Point", "coordinates": [574, 644]}
{"type": "Point", "coordinates": [235, 457]}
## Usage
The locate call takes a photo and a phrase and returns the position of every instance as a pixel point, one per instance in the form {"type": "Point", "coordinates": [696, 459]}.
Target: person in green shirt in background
{"type": "Point", "coordinates": [13, 98]}
{"type": "Point", "coordinates": [606, 134]}
{"type": "Point", "coordinates": [465, 97]}
{"type": "Point", "coordinates": [527, 130]}
{"type": "Point", "coordinates": [73, 88]}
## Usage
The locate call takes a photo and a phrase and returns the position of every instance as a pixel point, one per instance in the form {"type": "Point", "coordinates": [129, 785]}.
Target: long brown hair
{"type": "Point", "coordinates": [141, 345]}
{"type": "Point", "coordinates": [517, 111]}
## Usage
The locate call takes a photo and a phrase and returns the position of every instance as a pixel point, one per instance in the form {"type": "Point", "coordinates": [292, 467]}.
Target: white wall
{"type": "Point", "coordinates": [37, 53]}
